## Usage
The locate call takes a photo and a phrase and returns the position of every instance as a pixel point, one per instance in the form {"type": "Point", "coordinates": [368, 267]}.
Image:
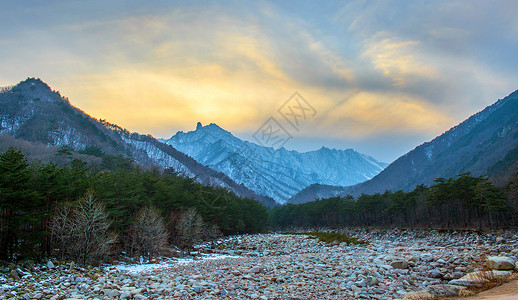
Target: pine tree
{"type": "Point", "coordinates": [17, 203]}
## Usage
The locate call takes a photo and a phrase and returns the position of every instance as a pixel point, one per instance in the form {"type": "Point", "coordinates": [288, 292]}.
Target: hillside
{"type": "Point", "coordinates": [33, 112]}
{"type": "Point", "coordinates": [484, 144]}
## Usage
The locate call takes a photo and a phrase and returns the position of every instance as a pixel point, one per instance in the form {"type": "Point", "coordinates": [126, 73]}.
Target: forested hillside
{"type": "Point", "coordinates": [463, 202]}
{"type": "Point", "coordinates": [31, 194]}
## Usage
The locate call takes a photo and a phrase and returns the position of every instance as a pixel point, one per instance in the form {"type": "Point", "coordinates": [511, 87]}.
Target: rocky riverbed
{"type": "Point", "coordinates": [275, 266]}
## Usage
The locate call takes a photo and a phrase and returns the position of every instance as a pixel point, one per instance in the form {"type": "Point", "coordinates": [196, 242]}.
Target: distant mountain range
{"type": "Point", "coordinates": [31, 111]}
{"type": "Point", "coordinates": [277, 174]}
{"type": "Point", "coordinates": [484, 144]}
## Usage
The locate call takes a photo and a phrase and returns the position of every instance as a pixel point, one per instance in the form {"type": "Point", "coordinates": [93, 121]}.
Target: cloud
{"type": "Point", "coordinates": [403, 69]}
{"type": "Point", "coordinates": [396, 60]}
{"type": "Point", "coordinates": [371, 114]}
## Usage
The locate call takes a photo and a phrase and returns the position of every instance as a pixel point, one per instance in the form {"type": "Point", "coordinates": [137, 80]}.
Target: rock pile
{"type": "Point", "coordinates": [395, 264]}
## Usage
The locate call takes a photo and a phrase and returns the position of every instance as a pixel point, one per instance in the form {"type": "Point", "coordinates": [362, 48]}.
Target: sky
{"type": "Point", "coordinates": [380, 77]}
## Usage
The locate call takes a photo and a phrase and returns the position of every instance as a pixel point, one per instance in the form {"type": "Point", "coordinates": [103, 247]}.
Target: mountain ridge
{"type": "Point", "coordinates": [475, 145]}
{"type": "Point", "coordinates": [277, 174]}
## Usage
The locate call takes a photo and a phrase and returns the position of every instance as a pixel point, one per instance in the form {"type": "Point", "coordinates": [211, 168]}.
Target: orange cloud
{"type": "Point", "coordinates": [396, 60]}
{"type": "Point", "coordinates": [366, 113]}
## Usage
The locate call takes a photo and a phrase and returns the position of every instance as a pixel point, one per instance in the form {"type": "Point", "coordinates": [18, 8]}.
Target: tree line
{"type": "Point", "coordinates": [70, 209]}
{"type": "Point", "coordinates": [463, 202]}
{"type": "Point", "coordinates": [54, 208]}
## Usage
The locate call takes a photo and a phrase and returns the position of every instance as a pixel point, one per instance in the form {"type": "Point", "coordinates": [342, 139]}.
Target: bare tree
{"type": "Point", "coordinates": [189, 229]}
{"type": "Point", "coordinates": [80, 230]}
{"type": "Point", "coordinates": [148, 234]}
{"type": "Point", "coordinates": [211, 234]}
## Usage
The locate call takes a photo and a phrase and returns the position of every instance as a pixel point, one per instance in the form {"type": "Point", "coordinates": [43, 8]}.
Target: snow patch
{"type": "Point", "coordinates": [146, 268]}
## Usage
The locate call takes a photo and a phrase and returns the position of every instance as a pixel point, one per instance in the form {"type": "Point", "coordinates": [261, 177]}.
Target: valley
{"type": "Point", "coordinates": [271, 150]}
{"type": "Point", "coordinates": [168, 196]}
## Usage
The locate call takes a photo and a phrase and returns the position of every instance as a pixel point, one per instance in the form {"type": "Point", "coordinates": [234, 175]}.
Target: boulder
{"type": "Point", "coordinates": [444, 290]}
{"type": "Point", "coordinates": [500, 263]}
{"type": "Point", "coordinates": [477, 278]}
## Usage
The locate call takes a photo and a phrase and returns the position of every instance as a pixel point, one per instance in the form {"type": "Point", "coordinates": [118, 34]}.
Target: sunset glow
{"type": "Point", "coordinates": [158, 67]}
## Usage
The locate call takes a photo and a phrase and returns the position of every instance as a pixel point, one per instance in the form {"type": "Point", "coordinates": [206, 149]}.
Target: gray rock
{"type": "Point", "coordinates": [111, 293]}
{"type": "Point", "coordinates": [463, 282]}
{"type": "Point", "coordinates": [500, 263]}
{"type": "Point", "coordinates": [444, 290]}
{"type": "Point", "coordinates": [50, 265]}
{"type": "Point", "coordinates": [125, 295]}
{"type": "Point", "coordinates": [457, 275]}
{"type": "Point", "coordinates": [435, 274]}
{"type": "Point", "coordinates": [355, 289]}
{"type": "Point", "coordinates": [257, 269]}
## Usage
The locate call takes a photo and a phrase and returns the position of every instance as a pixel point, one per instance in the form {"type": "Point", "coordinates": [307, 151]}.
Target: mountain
{"type": "Point", "coordinates": [484, 144]}
{"type": "Point", "coordinates": [276, 174]}
{"type": "Point", "coordinates": [31, 111]}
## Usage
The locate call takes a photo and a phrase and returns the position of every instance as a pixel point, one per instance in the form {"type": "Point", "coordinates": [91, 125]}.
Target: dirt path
{"type": "Point", "coordinates": [507, 291]}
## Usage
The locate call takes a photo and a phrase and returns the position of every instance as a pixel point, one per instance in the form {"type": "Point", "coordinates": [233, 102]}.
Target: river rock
{"type": "Point", "coordinates": [125, 295]}
{"type": "Point", "coordinates": [399, 264]}
{"type": "Point", "coordinates": [444, 290]}
{"type": "Point", "coordinates": [286, 265]}
{"type": "Point", "coordinates": [257, 269]}
{"type": "Point", "coordinates": [435, 274]}
{"type": "Point", "coordinates": [50, 265]}
{"type": "Point", "coordinates": [500, 263]}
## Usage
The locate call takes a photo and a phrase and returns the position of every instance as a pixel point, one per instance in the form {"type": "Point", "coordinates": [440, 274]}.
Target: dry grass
{"type": "Point", "coordinates": [488, 279]}
{"type": "Point", "coordinates": [419, 295]}
{"type": "Point", "coordinates": [466, 293]}
{"type": "Point", "coordinates": [330, 237]}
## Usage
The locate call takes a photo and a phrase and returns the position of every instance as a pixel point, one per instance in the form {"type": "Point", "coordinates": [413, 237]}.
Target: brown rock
{"type": "Point", "coordinates": [399, 264]}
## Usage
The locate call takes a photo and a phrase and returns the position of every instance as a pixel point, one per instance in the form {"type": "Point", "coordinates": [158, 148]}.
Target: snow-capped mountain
{"type": "Point", "coordinates": [276, 174]}
{"type": "Point", "coordinates": [486, 144]}
{"type": "Point", "coordinates": [33, 112]}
